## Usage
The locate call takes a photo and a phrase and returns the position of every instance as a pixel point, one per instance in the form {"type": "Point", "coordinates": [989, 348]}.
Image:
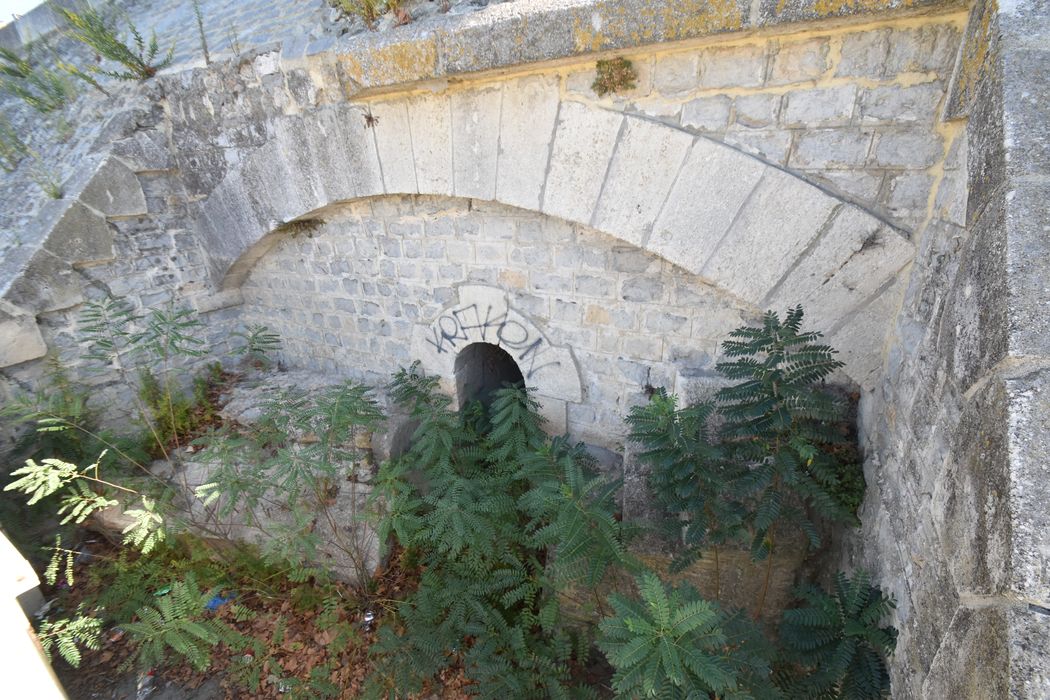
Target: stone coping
{"type": "Point", "coordinates": [513, 34]}
{"type": "Point", "coordinates": [530, 31]}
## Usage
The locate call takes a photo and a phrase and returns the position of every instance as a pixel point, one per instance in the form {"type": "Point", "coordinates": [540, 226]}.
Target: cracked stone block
{"type": "Point", "coordinates": [114, 191]}
{"type": "Point", "coordinates": [529, 111]}
{"type": "Point", "coordinates": [20, 341]}
{"type": "Point", "coordinates": [583, 146]}
{"type": "Point", "coordinates": [475, 138]}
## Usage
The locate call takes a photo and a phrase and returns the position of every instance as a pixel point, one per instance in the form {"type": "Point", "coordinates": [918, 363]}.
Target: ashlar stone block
{"type": "Point", "coordinates": [431, 121]}
{"type": "Point", "coordinates": [714, 184]}
{"type": "Point", "coordinates": [529, 111]}
{"type": "Point", "coordinates": [20, 341]}
{"type": "Point", "coordinates": [778, 222]}
{"type": "Point", "coordinates": [475, 139]}
{"type": "Point", "coordinates": [855, 257]}
{"type": "Point", "coordinates": [583, 146]}
{"type": "Point", "coordinates": [647, 159]}
{"type": "Point", "coordinates": [393, 137]}
{"type": "Point", "coordinates": [114, 191]}
{"type": "Point", "coordinates": [80, 236]}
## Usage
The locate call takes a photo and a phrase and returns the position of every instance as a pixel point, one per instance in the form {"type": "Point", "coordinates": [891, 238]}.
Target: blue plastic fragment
{"type": "Point", "coordinates": [218, 600]}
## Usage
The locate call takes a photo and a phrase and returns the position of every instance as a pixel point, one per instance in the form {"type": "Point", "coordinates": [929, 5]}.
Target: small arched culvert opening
{"type": "Point", "coordinates": [483, 368]}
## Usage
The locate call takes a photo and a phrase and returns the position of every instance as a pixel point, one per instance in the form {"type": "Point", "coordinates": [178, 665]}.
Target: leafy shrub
{"type": "Point", "coordinates": [768, 451]}
{"type": "Point", "coordinates": [260, 343]}
{"type": "Point", "coordinates": [100, 33]}
{"type": "Point", "coordinates": [68, 634]}
{"type": "Point", "coordinates": [673, 644]}
{"type": "Point", "coordinates": [482, 499]}
{"type": "Point", "coordinates": [177, 624]}
{"type": "Point", "coordinates": [836, 643]}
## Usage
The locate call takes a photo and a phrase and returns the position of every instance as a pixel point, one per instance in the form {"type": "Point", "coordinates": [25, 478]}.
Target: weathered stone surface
{"type": "Point", "coordinates": [782, 203]}
{"type": "Point", "coordinates": [20, 341]}
{"type": "Point", "coordinates": [831, 148]}
{"type": "Point", "coordinates": [712, 187]}
{"type": "Point", "coordinates": [855, 257]}
{"type": "Point", "coordinates": [527, 119]}
{"type": "Point", "coordinates": [583, 147]}
{"type": "Point", "coordinates": [431, 122]}
{"type": "Point", "coordinates": [800, 61]}
{"type": "Point", "coordinates": [707, 113]}
{"type": "Point", "coordinates": [475, 138]}
{"type": "Point", "coordinates": [646, 153]}
{"type": "Point", "coordinates": [896, 104]}
{"type": "Point", "coordinates": [80, 236]}
{"type": "Point", "coordinates": [114, 191]}
{"type": "Point", "coordinates": [393, 137]}
{"type": "Point", "coordinates": [736, 67]}
{"type": "Point", "coordinates": [819, 107]}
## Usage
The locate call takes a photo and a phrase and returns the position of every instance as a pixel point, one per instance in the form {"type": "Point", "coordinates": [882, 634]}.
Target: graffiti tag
{"type": "Point", "coordinates": [468, 324]}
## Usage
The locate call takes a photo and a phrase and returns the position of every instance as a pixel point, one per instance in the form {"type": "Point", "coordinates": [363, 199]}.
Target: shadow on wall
{"type": "Point", "coordinates": [483, 368]}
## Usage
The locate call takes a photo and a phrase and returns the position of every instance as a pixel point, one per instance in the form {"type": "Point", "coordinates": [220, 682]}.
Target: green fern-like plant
{"type": "Point", "coordinates": [782, 422]}
{"type": "Point", "coordinates": [673, 644]}
{"type": "Point", "coordinates": [67, 635]}
{"type": "Point", "coordinates": [139, 60]}
{"type": "Point", "coordinates": [259, 345]}
{"type": "Point", "coordinates": [501, 518]}
{"type": "Point", "coordinates": [177, 625]}
{"type": "Point", "coordinates": [779, 454]}
{"type": "Point", "coordinates": [834, 646]}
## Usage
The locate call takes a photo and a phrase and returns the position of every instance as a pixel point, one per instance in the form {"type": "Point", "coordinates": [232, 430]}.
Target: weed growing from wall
{"type": "Point", "coordinates": [41, 87]}
{"type": "Point", "coordinates": [614, 75]}
{"type": "Point", "coordinates": [141, 59]}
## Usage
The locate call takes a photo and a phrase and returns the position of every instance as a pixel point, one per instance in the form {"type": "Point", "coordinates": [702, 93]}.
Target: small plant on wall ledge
{"type": "Point", "coordinates": [614, 75]}
{"type": "Point", "coordinates": [139, 61]}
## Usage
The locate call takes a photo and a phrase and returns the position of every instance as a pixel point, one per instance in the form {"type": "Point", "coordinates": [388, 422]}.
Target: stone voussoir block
{"type": "Point", "coordinates": [583, 146]}
{"type": "Point", "coordinates": [647, 160]}
{"type": "Point", "coordinates": [81, 236]}
{"type": "Point", "coordinates": [714, 183]}
{"type": "Point", "coordinates": [527, 119]}
{"type": "Point", "coordinates": [114, 191]}
{"type": "Point", "coordinates": [20, 340]}
{"type": "Point", "coordinates": [430, 118]}
{"type": "Point", "coordinates": [781, 202]}
{"type": "Point", "coordinates": [475, 139]}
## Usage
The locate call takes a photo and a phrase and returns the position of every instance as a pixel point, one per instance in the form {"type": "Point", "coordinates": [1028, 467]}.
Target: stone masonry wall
{"type": "Point", "coordinates": [346, 297]}
{"type": "Point", "coordinates": [953, 409]}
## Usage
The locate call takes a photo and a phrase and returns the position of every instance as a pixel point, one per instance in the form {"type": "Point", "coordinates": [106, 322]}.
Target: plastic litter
{"type": "Point", "coordinates": [218, 600]}
{"type": "Point", "coordinates": [145, 686]}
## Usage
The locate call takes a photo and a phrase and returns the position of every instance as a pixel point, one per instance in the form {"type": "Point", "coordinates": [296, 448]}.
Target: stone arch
{"type": "Point", "coordinates": [757, 232]}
